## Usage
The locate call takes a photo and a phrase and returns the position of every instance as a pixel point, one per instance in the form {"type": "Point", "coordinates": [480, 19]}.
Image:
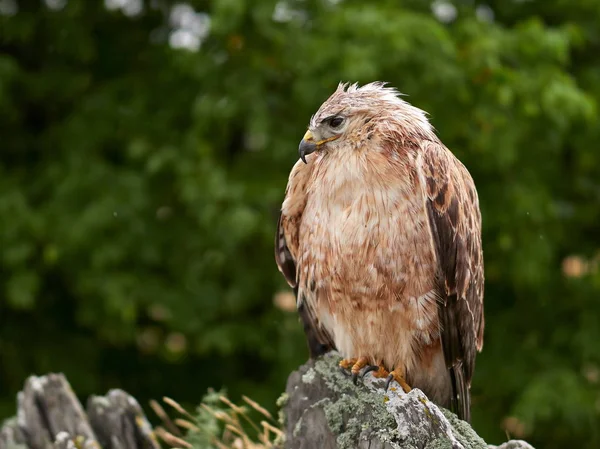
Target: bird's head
{"type": "Point", "coordinates": [354, 115]}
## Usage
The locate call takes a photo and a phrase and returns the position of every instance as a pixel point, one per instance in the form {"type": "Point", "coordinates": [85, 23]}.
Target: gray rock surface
{"type": "Point", "coordinates": [119, 422]}
{"type": "Point", "coordinates": [49, 416]}
{"type": "Point", "coordinates": [513, 444]}
{"type": "Point", "coordinates": [324, 409]}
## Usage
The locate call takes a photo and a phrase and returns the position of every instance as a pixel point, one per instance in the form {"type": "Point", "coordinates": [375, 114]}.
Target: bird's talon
{"type": "Point", "coordinates": [344, 371]}
{"type": "Point", "coordinates": [360, 364]}
{"type": "Point", "coordinates": [355, 365]}
{"type": "Point", "coordinates": [381, 372]}
{"type": "Point", "coordinates": [369, 369]}
{"type": "Point", "coordinates": [347, 363]}
{"type": "Point", "coordinates": [398, 378]}
{"type": "Point", "coordinates": [388, 381]}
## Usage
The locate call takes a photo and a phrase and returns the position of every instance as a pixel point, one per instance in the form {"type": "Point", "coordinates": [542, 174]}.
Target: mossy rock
{"type": "Point", "coordinates": [325, 410]}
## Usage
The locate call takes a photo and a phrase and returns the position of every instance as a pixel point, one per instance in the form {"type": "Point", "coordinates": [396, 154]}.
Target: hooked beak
{"type": "Point", "coordinates": [308, 145]}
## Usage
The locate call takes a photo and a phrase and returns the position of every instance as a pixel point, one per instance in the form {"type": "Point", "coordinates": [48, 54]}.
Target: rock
{"type": "Point", "coordinates": [119, 422]}
{"type": "Point", "coordinates": [11, 436]}
{"type": "Point", "coordinates": [49, 416]}
{"type": "Point", "coordinates": [513, 444]}
{"type": "Point", "coordinates": [321, 409]}
{"type": "Point", "coordinates": [48, 407]}
{"type": "Point", "coordinates": [324, 409]}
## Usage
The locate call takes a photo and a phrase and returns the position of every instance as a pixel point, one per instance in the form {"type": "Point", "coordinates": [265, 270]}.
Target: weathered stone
{"type": "Point", "coordinates": [119, 422]}
{"type": "Point", "coordinates": [513, 444]}
{"type": "Point", "coordinates": [324, 409]}
{"type": "Point", "coordinates": [321, 409]}
{"type": "Point", "coordinates": [11, 436]}
{"type": "Point", "coordinates": [46, 407]}
{"type": "Point", "coordinates": [49, 416]}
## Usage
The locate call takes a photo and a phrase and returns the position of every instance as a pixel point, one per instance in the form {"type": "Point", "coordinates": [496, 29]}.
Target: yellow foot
{"type": "Point", "coordinates": [355, 365]}
{"type": "Point", "coordinates": [347, 363]}
{"type": "Point", "coordinates": [380, 372]}
{"type": "Point", "coordinates": [398, 376]}
{"type": "Point", "coordinates": [360, 364]}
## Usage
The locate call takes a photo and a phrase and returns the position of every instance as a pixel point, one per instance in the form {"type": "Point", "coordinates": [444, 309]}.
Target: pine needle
{"type": "Point", "coordinates": [186, 425]}
{"type": "Point", "coordinates": [241, 411]}
{"type": "Point", "coordinates": [234, 407]}
{"type": "Point", "coordinates": [160, 412]}
{"type": "Point", "coordinates": [257, 407]}
{"type": "Point", "coordinates": [277, 431]}
{"type": "Point", "coordinates": [171, 439]}
{"type": "Point", "coordinates": [221, 416]}
{"type": "Point", "coordinates": [234, 430]}
{"type": "Point", "coordinates": [177, 407]}
{"type": "Point", "coordinates": [230, 431]}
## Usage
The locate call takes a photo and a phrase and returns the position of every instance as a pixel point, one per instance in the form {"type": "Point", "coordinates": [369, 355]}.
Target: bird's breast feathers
{"type": "Point", "coordinates": [364, 239]}
{"type": "Point", "coordinates": [365, 255]}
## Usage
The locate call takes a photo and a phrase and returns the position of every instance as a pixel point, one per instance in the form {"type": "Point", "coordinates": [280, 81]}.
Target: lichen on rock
{"type": "Point", "coordinates": [309, 376]}
{"type": "Point", "coordinates": [326, 410]}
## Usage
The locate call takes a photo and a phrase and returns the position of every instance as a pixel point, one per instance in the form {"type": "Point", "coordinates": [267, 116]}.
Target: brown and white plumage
{"type": "Point", "coordinates": [380, 236]}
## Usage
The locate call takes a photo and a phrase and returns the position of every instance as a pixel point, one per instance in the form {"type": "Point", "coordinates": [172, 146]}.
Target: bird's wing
{"type": "Point", "coordinates": [286, 248]}
{"type": "Point", "coordinates": [455, 221]}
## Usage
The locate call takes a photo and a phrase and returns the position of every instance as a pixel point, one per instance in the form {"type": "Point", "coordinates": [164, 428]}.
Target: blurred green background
{"type": "Point", "coordinates": [144, 152]}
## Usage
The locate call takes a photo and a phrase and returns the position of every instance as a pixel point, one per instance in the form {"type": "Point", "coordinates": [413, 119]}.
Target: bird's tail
{"type": "Point", "coordinates": [461, 396]}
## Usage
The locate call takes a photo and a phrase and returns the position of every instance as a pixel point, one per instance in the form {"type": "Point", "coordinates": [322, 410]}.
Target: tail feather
{"type": "Point", "coordinates": [461, 396]}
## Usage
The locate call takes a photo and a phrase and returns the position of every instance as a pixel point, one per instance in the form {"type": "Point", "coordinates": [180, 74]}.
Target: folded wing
{"type": "Point", "coordinates": [455, 221]}
{"type": "Point", "coordinates": [286, 247]}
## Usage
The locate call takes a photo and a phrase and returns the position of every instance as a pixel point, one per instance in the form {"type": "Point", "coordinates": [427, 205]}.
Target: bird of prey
{"type": "Point", "coordinates": [380, 237]}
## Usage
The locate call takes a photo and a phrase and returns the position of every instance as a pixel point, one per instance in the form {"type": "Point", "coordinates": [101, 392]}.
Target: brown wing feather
{"type": "Point", "coordinates": [319, 341]}
{"type": "Point", "coordinates": [283, 256]}
{"type": "Point", "coordinates": [455, 221]}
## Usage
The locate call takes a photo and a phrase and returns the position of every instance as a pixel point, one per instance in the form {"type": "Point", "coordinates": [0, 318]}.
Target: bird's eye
{"type": "Point", "coordinates": [336, 121]}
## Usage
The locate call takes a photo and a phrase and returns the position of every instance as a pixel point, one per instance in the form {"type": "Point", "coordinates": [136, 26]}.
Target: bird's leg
{"type": "Point", "coordinates": [398, 376]}
{"type": "Point", "coordinates": [370, 368]}
{"type": "Point", "coordinates": [382, 373]}
{"type": "Point", "coordinates": [379, 371]}
{"type": "Point", "coordinates": [347, 363]}
{"type": "Point", "coordinates": [355, 366]}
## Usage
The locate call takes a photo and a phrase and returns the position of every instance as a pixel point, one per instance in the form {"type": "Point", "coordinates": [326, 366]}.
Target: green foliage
{"type": "Point", "coordinates": [140, 183]}
{"type": "Point", "coordinates": [209, 427]}
{"type": "Point", "coordinates": [220, 424]}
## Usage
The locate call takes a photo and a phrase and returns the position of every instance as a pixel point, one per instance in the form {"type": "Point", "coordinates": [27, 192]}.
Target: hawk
{"type": "Point", "coordinates": [380, 237]}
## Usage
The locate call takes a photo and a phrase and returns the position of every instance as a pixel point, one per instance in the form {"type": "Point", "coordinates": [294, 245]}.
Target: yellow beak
{"type": "Point", "coordinates": [308, 144]}
{"type": "Point", "coordinates": [308, 136]}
